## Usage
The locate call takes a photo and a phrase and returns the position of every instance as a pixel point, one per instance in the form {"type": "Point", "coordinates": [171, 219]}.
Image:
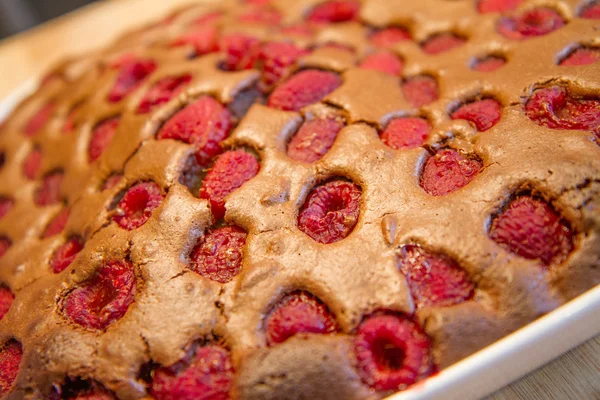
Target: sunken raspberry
{"type": "Point", "coordinates": [334, 11]}
{"type": "Point", "coordinates": [204, 39]}
{"type": "Point", "coordinates": [230, 171]}
{"type": "Point", "coordinates": [330, 211]}
{"type": "Point", "coordinates": [49, 192]}
{"type": "Point", "coordinates": [447, 171]}
{"type": "Point", "coordinates": [592, 11]}
{"type": "Point", "coordinates": [65, 254]}
{"type": "Point", "coordinates": [101, 137]}
{"type": "Point", "coordinates": [484, 114]}
{"type": "Point", "coordinates": [205, 374]}
{"type": "Point", "coordinates": [442, 43]}
{"type": "Point", "coordinates": [104, 298]}
{"type": "Point", "coordinates": [314, 139]}
{"type": "Point", "coordinates": [497, 6]}
{"type": "Point", "coordinates": [276, 59]}
{"type": "Point", "coordinates": [556, 108]}
{"type": "Point", "coordinates": [205, 123]}
{"type": "Point", "coordinates": [261, 15]}
{"type": "Point", "coordinates": [241, 51]}
{"type": "Point", "coordinates": [132, 73]}
{"type": "Point", "coordinates": [298, 312]}
{"type": "Point", "coordinates": [392, 352]}
{"type": "Point", "coordinates": [112, 181]}
{"type": "Point", "coordinates": [6, 205]}
{"type": "Point", "coordinates": [581, 56]}
{"type": "Point", "coordinates": [383, 61]}
{"type": "Point", "coordinates": [163, 91]}
{"type": "Point", "coordinates": [39, 119]}
{"type": "Point", "coordinates": [406, 133]}
{"type": "Point", "coordinates": [532, 23]}
{"type": "Point", "coordinates": [420, 90]}
{"type": "Point", "coordinates": [218, 254]}
{"type": "Point", "coordinates": [530, 228]}
{"type": "Point", "coordinates": [10, 358]}
{"type": "Point", "coordinates": [304, 88]}
{"type": "Point", "coordinates": [5, 244]}
{"type": "Point", "coordinates": [57, 224]}
{"type": "Point", "coordinates": [136, 207]}
{"type": "Point", "coordinates": [6, 300]}
{"type": "Point", "coordinates": [32, 164]}
{"type": "Point", "coordinates": [388, 37]}
{"type": "Point", "coordinates": [489, 64]}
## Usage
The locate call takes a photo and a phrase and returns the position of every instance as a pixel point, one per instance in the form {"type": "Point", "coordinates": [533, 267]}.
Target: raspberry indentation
{"type": "Point", "coordinates": [69, 124]}
{"type": "Point", "coordinates": [101, 137]}
{"type": "Point", "coordinates": [65, 254]}
{"type": "Point", "coordinates": [6, 300]}
{"type": "Point", "coordinates": [581, 56]}
{"type": "Point", "coordinates": [205, 374]}
{"type": "Point", "coordinates": [132, 72]}
{"type": "Point", "coordinates": [334, 11]}
{"type": "Point", "coordinates": [10, 359]}
{"type": "Point", "coordinates": [203, 39]}
{"type": "Point", "coordinates": [314, 139]}
{"type": "Point", "coordinates": [420, 90]}
{"type": "Point", "coordinates": [5, 244]}
{"type": "Point", "coordinates": [497, 6]}
{"type": "Point", "coordinates": [489, 64]}
{"type": "Point", "coordinates": [447, 171]}
{"type": "Point", "coordinates": [330, 211]}
{"type": "Point", "coordinates": [530, 228]}
{"type": "Point", "coordinates": [138, 204]}
{"type": "Point", "coordinates": [388, 37]}
{"type": "Point", "coordinates": [32, 164]}
{"type": "Point", "coordinates": [49, 192]}
{"type": "Point", "coordinates": [442, 43]}
{"type": "Point", "coordinates": [6, 205]}
{"type": "Point", "coordinates": [392, 352]}
{"type": "Point", "coordinates": [532, 23]}
{"type": "Point", "coordinates": [231, 170]}
{"type": "Point", "coordinates": [112, 181]}
{"type": "Point", "coordinates": [104, 298]}
{"type": "Point", "coordinates": [304, 88]}
{"type": "Point", "coordinates": [298, 312]}
{"type": "Point", "coordinates": [406, 133]}
{"type": "Point", "coordinates": [57, 224]}
{"type": "Point", "coordinates": [592, 11]}
{"type": "Point", "coordinates": [39, 119]}
{"type": "Point", "coordinates": [383, 61]}
{"type": "Point", "coordinates": [218, 254]}
{"type": "Point", "coordinates": [205, 123]}
{"type": "Point", "coordinates": [261, 15]}
{"type": "Point", "coordinates": [163, 91]}
{"type": "Point", "coordinates": [276, 59]}
{"type": "Point", "coordinates": [241, 51]}
{"type": "Point", "coordinates": [484, 114]}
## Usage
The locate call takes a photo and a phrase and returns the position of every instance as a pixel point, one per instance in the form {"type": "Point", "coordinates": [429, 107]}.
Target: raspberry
{"type": "Point", "coordinates": [10, 358]}
{"type": "Point", "coordinates": [442, 43]}
{"type": "Point", "coordinates": [447, 171]}
{"type": "Point", "coordinates": [104, 298]}
{"type": "Point", "coordinates": [262, 15]}
{"type": "Point", "coordinates": [231, 170]}
{"type": "Point", "coordinates": [484, 114]}
{"type": "Point", "coordinates": [241, 51]}
{"type": "Point", "coordinates": [298, 312]}
{"type": "Point", "coordinates": [330, 211]}
{"type": "Point", "coordinates": [122, 60]}
{"type": "Point", "coordinates": [304, 88]}
{"type": "Point", "coordinates": [131, 75]}
{"type": "Point", "coordinates": [556, 108]}
{"type": "Point", "coordinates": [592, 11]}
{"type": "Point", "coordinates": [258, 2]}
{"type": "Point", "coordinates": [497, 6]}
{"type": "Point", "coordinates": [205, 374]}
{"type": "Point", "coordinates": [39, 119]}
{"type": "Point", "coordinates": [6, 300]}
{"type": "Point", "coordinates": [204, 39]}
{"type": "Point", "coordinates": [112, 181]}
{"type": "Point", "coordinates": [204, 123]}
{"type": "Point", "coordinates": [136, 207]}
{"type": "Point", "coordinates": [5, 206]}
{"type": "Point", "coordinates": [218, 254]}
{"type": "Point", "coordinates": [420, 90]}
{"type": "Point", "coordinates": [334, 11]}
{"type": "Point", "coordinates": [101, 137]}
{"type": "Point", "coordinates": [406, 133]}
{"type": "Point", "coordinates": [582, 56]}
{"type": "Point", "coordinates": [65, 254]}
{"type": "Point", "coordinates": [57, 224]}
{"type": "Point", "coordinates": [532, 23]}
{"type": "Point", "coordinates": [313, 140]}
{"type": "Point", "coordinates": [5, 244]}
{"type": "Point", "coordinates": [32, 164]}
{"type": "Point", "coordinates": [489, 64]}
{"type": "Point", "coordinates": [49, 192]}
{"type": "Point", "coordinates": [163, 91]}
{"type": "Point", "coordinates": [276, 59]}
{"type": "Point", "coordinates": [530, 228]}
{"type": "Point", "coordinates": [392, 352]}
{"type": "Point", "coordinates": [388, 37]}
{"type": "Point", "coordinates": [383, 61]}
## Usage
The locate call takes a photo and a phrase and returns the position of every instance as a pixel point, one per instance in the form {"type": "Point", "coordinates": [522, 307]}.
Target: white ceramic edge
{"type": "Point", "coordinates": [8, 103]}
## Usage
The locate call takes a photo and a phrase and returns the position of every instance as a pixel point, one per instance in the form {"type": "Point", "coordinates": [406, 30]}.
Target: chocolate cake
{"type": "Point", "coordinates": [298, 199]}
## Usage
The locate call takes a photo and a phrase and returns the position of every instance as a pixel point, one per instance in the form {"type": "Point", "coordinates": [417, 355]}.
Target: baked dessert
{"type": "Point", "coordinates": [298, 199]}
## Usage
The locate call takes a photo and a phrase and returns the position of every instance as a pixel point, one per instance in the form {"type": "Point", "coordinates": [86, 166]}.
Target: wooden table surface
{"type": "Point", "coordinates": [575, 375]}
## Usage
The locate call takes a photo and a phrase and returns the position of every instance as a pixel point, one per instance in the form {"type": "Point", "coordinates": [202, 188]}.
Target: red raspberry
{"type": "Point", "coordinates": [592, 11]}
{"type": "Point", "coordinates": [39, 119]}
{"type": "Point", "coordinates": [532, 23]}
{"type": "Point", "coordinates": [304, 88]}
{"type": "Point", "coordinates": [489, 64]}
{"type": "Point", "coordinates": [231, 170]}
{"type": "Point", "coordinates": [334, 11]}
{"type": "Point", "coordinates": [442, 43]}
{"type": "Point", "coordinates": [6, 300]}
{"type": "Point", "coordinates": [447, 171]}
{"type": "Point", "coordinates": [32, 164]}
{"type": "Point", "coordinates": [5, 244]}
{"type": "Point", "coordinates": [218, 254]}
{"type": "Point", "coordinates": [241, 51]}
{"type": "Point", "coordinates": [204, 123]}
{"type": "Point", "coordinates": [330, 211]}
{"type": "Point", "coordinates": [497, 6]}
{"type": "Point", "coordinates": [5, 206]}
{"type": "Point", "coordinates": [49, 192]}
{"type": "Point", "coordinates": [406, 133]}
{"type": "Point", "coordinates": [314, 139]}
{"type": "Point", "coordinates": [205, 374]}
{"type": "Point", "coordinates": [388, 37]}
{"type": "Point", "coordinates": [65, 254]}
{"type": "Point", "coordinates": [10, 358]}
{"type": "Point", "coordinates": [112, 181]}
{"type": "Point", "coordinates": [163, 91]}
{"type": "Point", "coordinates": [204, 39]}
{"type": "Point", "coordinates": [298, 312]}
{"type": "Point", "coordinates": [555, 108]}
{"type": "Point", "coordinates": [261, 15]}
{"type": "Point", "coordinates": [122, 60]}
{"type": "Point", "coordinates": [131, 75]}
{"type": "Point", "coordinates": [392, 352]}
{"type": "Point", "coordinates": [530, 228]}
{"type": "Point", "coordinates": [57, 224]}
{"type": "Point", "coordinates": [582, 56]}
{"type": "Point", "coordinates": [420, 90]}
{"type": "Point", "coordinates": [136, 207]}
{"type": "Point", "coordinates": [276, 59]}
{"type": "Point", "coordinates": [383, 61]}
{"type": "Point", "coordinates": [258, 2]}
{"type": "Point", "coordinates": [484, 114]}
{"type": "Point", "coordinates": [104, 298]}
{"type": "Point", "coordinates": [101, 137]}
